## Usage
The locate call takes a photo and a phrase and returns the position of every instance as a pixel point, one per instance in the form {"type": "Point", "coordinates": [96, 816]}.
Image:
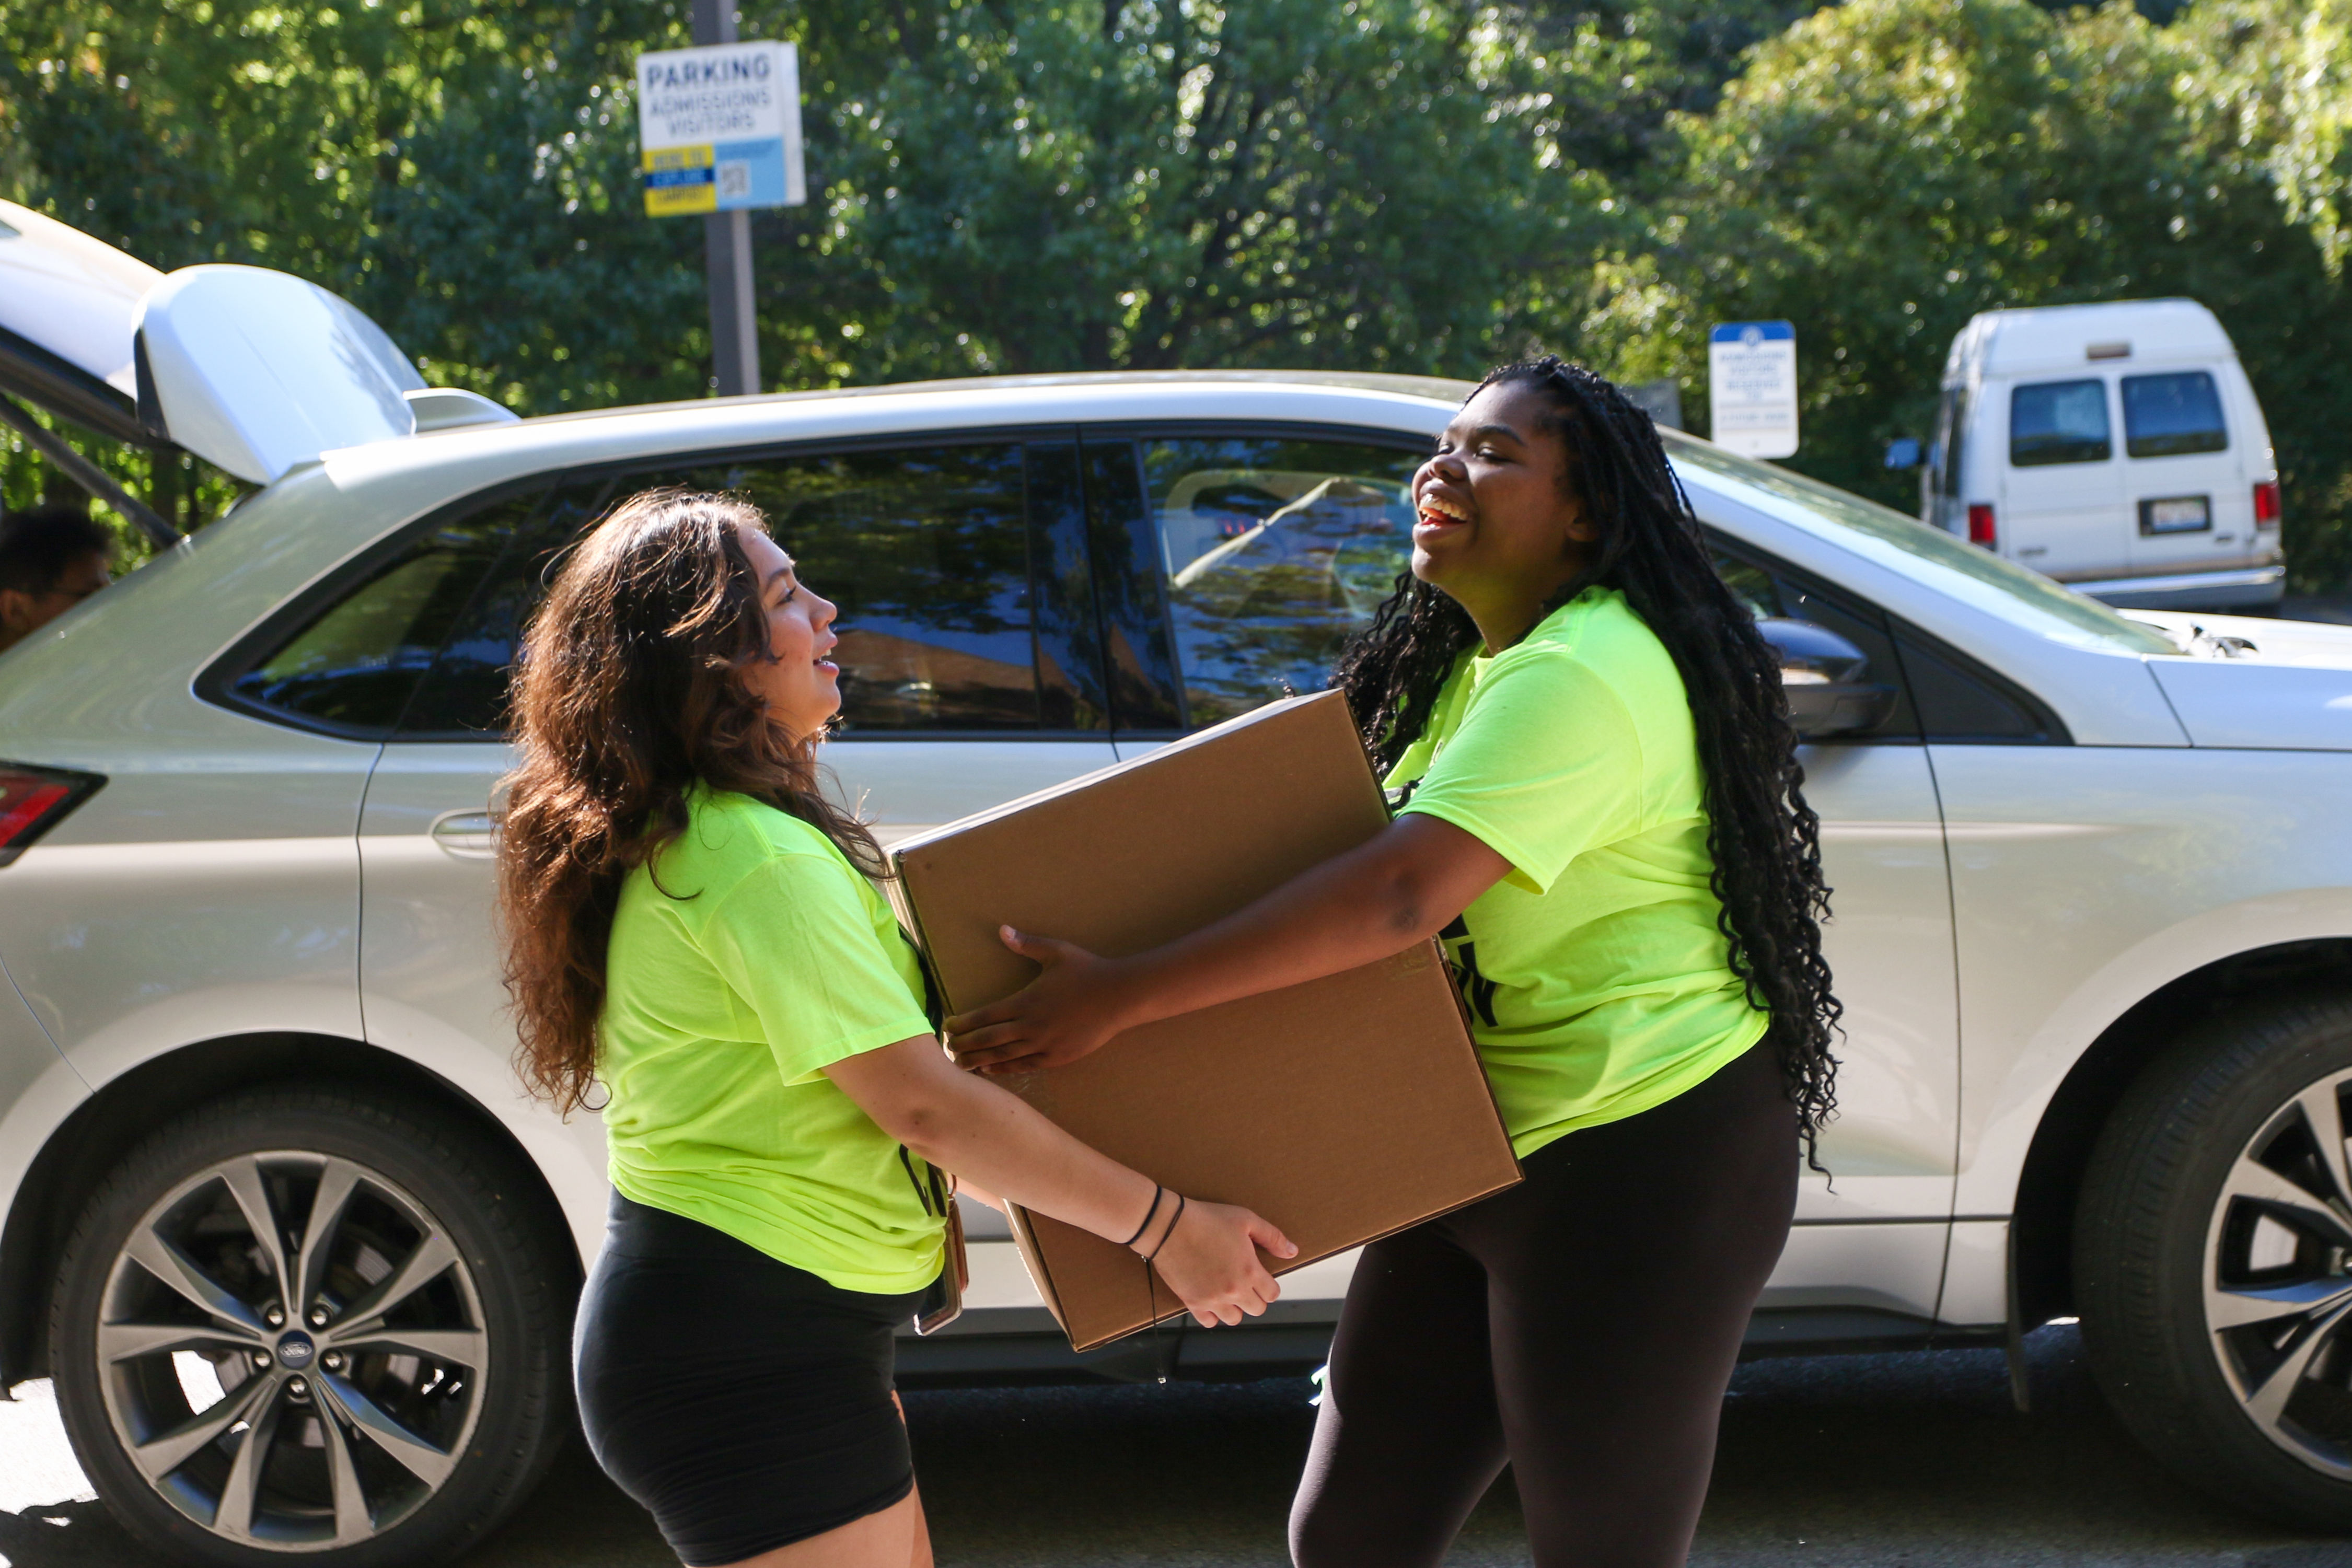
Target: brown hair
{"type": "Point", "coordinates": [627, 692]}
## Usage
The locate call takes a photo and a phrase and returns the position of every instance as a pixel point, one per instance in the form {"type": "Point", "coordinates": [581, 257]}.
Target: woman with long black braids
{"type": "Point", "coordinates": [1600, 809]}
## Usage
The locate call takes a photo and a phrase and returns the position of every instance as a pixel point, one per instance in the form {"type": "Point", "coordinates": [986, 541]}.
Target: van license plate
{"type": "Point", "coordinates": [2176, 515]}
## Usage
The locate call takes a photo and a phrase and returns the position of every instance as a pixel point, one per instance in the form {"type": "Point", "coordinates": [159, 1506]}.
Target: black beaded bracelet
{"type": "Point", "coordinates": [1157, 1192]}
{"type": "Point", "coordinates": [1153, 1256]}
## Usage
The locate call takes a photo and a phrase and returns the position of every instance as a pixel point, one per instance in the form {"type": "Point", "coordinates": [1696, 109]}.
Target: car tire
{"type": "Point", "coordinates": [399, 1406]}
{"type": "Point", "coordinates": [2211, 1244]}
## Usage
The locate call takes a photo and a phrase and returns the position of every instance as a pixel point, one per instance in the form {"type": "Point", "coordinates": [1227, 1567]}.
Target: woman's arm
{"type": "Point", "coordinates": [1401, 887]}
{"type": "Point", "coordinates": [961, 1124]}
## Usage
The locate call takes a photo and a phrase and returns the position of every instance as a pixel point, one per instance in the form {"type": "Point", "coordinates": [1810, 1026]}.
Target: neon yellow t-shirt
{"type": "Point", "coordinates": [761, 956]}
{"type": "Point", "coordinates": [1599, 983]}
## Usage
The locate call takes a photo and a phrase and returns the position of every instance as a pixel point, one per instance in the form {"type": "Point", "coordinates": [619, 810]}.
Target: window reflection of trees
{"type": "Point", "coordinates": [356, 662]}
{"type": "Point", "coordinates": [926, 554]}
{"type": "Point", "coordinates": [1276, 553]}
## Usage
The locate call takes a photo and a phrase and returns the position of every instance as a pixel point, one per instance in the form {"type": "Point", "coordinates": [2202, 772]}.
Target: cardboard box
{"type": "Point", "coordinates": [1342, 1110]}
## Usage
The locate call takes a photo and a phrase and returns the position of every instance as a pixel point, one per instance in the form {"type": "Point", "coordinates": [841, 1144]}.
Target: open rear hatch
{"type": "Point", "coordinates": [260, 372]}
{"type": "Point", "coordinates": [256, 372]}
{"type": "Point", "coordinates": [68, 308]}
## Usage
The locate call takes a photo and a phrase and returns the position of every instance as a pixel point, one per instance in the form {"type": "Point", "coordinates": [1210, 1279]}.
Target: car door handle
{"type": "Point", "coordinates": [470, 835]}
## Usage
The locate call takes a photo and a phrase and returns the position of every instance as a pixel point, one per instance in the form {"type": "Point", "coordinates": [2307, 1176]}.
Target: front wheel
{"type": "Point", "coordinates": [2214, 1260]}
{"type": "Point", "coordinates": [315, 1322]}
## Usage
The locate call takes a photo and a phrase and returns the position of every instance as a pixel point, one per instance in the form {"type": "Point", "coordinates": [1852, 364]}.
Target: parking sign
{"type": "Point", "coordinates": [1751, 373]}
{"type": "Point", "coordinates": [720, 128]}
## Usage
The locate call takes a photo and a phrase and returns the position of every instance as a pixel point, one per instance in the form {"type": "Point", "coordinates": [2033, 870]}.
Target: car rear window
{"type": "Point", "coordinates": [2167, 415]}
{"type": "Point", "coordinates": [2059, 422]}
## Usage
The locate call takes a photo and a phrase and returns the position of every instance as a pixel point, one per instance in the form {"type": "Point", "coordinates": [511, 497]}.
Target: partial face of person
{"type": "Point", "coordinates": [800, 686]}
{"type": "Point", "coordinates": [22, 614]}
{"type": "Point", "coordinates": [1492, 515]}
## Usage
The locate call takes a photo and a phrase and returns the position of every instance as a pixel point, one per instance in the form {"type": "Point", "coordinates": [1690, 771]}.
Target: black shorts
{"type": "Point", "coordinates": [744, 1401]}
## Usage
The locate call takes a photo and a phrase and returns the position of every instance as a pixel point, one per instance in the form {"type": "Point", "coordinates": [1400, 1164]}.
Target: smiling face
{"type": "Point", "coordinates": [1495, 525]}
{"type": "Point", "coordinates": [800, 686]}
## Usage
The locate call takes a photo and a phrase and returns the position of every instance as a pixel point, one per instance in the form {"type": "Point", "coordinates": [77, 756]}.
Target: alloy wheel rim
{"type": "Point", "coordinates": [291, 1351]}
{"type": "Point", "coordinates": [2278, 1279]}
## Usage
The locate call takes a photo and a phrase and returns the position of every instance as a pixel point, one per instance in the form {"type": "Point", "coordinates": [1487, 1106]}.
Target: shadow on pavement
{"type": "Point", "coordinates": [576, 1520]}
{"type": "Point", "coordinates": [77, 1533]}
{"type": "Point", "coordinates": [1828, 1463]}
{"type": "Point", "coordinates": [1921, 1459]}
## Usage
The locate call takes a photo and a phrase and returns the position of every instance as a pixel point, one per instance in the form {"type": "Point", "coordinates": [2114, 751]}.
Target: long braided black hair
{"type": "Point", "coordinates": [1764, 839]}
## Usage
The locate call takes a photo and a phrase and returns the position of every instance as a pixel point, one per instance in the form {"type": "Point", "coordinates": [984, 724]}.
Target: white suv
{"type": "Point", "coordinates": [300, 1256]}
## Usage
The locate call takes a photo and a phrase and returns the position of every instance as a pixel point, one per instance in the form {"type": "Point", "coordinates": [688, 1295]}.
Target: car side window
{"type": "Point", "coordinates": [464, 696]}
{"type": "Point", "coordinates": [2059, 422]}
{"type": "Point", "coordinates": [1961, 703]}
{"type": "Point", "coordinates": [924, 551]}
{"type": "Point", "coordinates": [1274, 552]}
{"type": "Point", "coordinates": [1769, 590]}
{"type": "Point", "coordinates": [2168, 415]}
{"type": "Point", "coordinates": [351, 665]}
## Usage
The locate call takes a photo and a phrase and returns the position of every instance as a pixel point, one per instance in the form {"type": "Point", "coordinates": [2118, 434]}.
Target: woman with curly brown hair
{"type": "Point", "coordinates": [694, 927]}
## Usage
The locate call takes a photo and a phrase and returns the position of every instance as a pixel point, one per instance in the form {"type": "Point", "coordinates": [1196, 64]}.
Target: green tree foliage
{"type": "Point", "coordinates": [463, 171]}
{"type": "Point", "coordinates": [1885, 170]}
{"type": "Point", "coordinates": [1403, 185]}
{"type": "Point", "coordinates": [1617, 71]}
{"type": "Point", "coordinates": [1021, 186]}
{"type": "Point", "coordinates": [2279, 77]}
{"type": "Point", "coordinates": [995, 185]}
{"type": "Point", "coordinates": [1104, 185]}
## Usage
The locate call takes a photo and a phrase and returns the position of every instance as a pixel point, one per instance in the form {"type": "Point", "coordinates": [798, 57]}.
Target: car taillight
{"type": "Point", "coordinates": [1981, 526]}
{"type": "Point", "coordinates": [2266, 504]}
{"type": "Point", "coordinates": [35, 799]}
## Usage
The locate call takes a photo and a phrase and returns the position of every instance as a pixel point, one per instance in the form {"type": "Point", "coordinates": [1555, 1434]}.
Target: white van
{"type": "Point", "coordinates": [2180, 513]}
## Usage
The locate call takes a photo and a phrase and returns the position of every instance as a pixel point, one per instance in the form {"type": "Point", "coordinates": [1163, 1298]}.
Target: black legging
{"type": "Point", "coordinates": [1581, 1326]}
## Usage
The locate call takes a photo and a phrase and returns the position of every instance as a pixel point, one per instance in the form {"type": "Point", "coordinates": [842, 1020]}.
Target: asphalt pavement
{"type": "Point", "coordinates": [1914, 1460]}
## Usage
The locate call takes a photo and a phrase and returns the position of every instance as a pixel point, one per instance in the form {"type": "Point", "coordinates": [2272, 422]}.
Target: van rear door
{"type": "Point", "coordinates": [2052, 441]}
{"type": "Point", "coordinates": [2192, 503]}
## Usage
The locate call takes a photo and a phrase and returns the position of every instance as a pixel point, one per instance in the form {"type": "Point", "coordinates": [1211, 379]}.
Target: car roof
{"type": "Point", "coordinates": [442, 465]}
{"type": "Point", "coordinates": [1438, 389]}
{"type": "Point", "coordinates": [2053, 337]}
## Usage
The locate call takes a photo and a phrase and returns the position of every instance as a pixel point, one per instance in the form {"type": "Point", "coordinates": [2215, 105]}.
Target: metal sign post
{"type": "Point", "coordinates": [718, 130]}
{"type": "Point", "coordinates": [1751, 373]}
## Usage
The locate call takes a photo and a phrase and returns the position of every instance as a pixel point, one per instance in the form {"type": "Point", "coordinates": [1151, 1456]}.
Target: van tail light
{"type": "Point", "coordinates": [35, 799]}
{"type": "Point", "coordinates": [2266, 504]}
{"type": "Point", "coordinates": [1981, 526]}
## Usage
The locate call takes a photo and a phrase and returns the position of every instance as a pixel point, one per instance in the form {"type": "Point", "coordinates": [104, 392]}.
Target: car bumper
{"type": "Point", "coordinates": [2253, 586]}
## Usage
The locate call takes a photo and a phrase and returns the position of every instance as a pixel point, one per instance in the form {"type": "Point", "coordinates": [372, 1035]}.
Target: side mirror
{"type": "Point", "coordinates": [1826, 680]}
{"type": "Point", "coordinates": [1903, 452]}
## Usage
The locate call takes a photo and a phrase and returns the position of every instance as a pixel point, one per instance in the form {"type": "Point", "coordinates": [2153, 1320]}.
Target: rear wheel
{"type": "Point", "coordinates": [312, 1321]}
{"type": "Point", "coordinates": [2214, 1260]}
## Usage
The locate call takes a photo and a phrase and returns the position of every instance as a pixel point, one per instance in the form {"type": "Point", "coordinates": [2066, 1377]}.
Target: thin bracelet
{"type": "Point", "coordinates": [1153, 1256]}
{"type": "Point", "coordinates": [1157, 1192]}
